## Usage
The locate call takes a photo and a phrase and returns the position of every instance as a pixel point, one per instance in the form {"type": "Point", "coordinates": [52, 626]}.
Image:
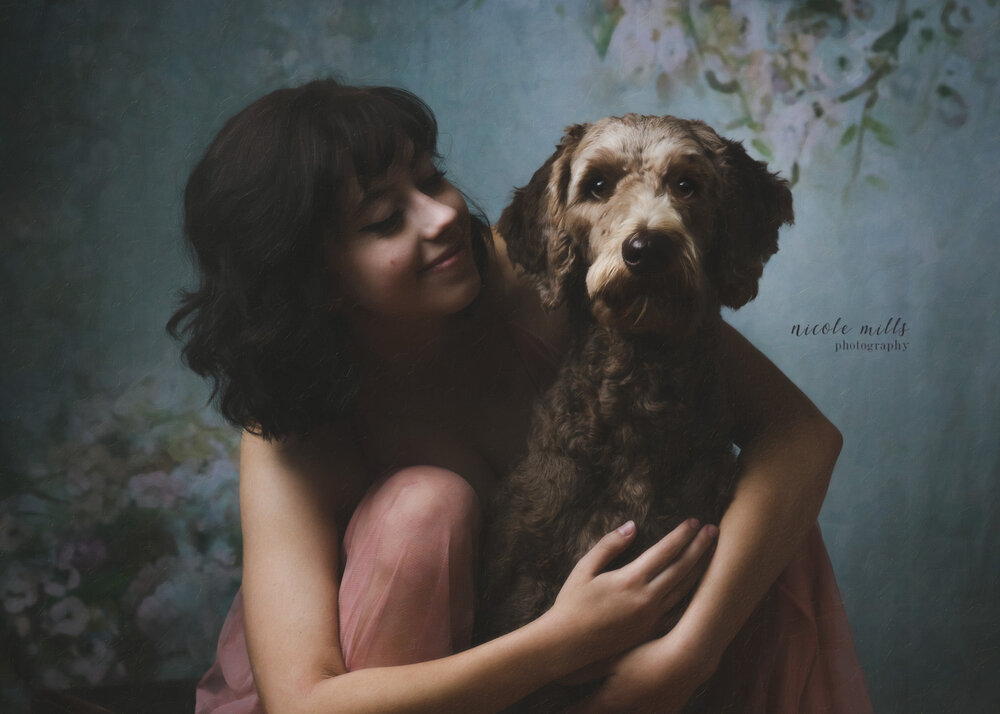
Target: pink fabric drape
{"type": "Point", "coordinates": [412, 601]}
{"type": "Point", "coordinates": [795, 653]}
{"type": "Point", "coordinates": [407, 591]}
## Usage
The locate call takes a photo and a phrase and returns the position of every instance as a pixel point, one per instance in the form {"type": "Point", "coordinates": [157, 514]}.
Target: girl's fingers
{"type": "Point", "coordinates": [661, 555]}
{"type": "Point", "coordinates": [677, 580]}
{"type": "Point", "coordinates": [685, 585]}
{"type": "Point", "coordinates": [606, 549]}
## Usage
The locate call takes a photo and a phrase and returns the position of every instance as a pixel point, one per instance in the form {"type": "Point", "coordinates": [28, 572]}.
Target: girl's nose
{"type": "Point", "coordinates": [432, 215]}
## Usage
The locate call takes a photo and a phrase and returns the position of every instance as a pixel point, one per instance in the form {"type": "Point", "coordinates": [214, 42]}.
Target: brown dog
{"type": "Point", "coordinates": [644, 226]}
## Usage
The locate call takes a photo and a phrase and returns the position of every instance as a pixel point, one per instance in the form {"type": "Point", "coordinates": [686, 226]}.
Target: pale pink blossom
{"type": "Point", "coordinates": [82, 554]}
{"type": "Point", "coordinates": [157, 489]}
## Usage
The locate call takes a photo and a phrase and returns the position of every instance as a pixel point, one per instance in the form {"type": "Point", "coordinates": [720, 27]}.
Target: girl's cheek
{"type": "Point", "coordinates": [399, 261]}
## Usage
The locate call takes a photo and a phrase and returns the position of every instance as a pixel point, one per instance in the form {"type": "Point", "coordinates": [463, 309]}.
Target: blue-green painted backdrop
{"type": "Point", "coordinates": [119, 546]}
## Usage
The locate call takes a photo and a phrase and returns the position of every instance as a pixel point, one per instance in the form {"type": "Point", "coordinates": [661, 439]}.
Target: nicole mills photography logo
{"type": "Point", "coordinates": [858, 337]}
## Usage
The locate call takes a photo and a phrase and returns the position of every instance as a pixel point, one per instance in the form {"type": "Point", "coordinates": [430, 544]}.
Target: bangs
{"type": "Point", "coordinates": [386, 128]}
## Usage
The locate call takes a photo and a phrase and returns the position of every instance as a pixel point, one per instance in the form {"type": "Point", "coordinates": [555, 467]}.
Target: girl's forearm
{"type": "Point", "coordinates": [783, 481]}
{"type": "Point", "coordinates": [486, 678]}
{"type": "Point", "coordinates": [597, 614]}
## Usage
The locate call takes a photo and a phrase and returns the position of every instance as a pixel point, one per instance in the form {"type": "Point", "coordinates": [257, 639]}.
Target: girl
{"type": "Point", "coordinates": [360, 327]}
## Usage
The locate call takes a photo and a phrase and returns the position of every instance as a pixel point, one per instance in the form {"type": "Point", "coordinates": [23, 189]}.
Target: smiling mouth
{"type": "Point", "coordinates": [449, 256]}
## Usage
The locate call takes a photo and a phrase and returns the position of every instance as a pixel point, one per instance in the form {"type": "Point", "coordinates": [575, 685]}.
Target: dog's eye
{"type": "Point", "coordinates": [598, 187]}
{"type": "Point", "coordinates": [686, 187]}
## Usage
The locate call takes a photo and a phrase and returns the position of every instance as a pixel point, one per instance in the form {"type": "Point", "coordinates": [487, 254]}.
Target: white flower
{"type": "Point", "coordinates": [58, 588]}
{"type": "Point", "coordinates": [69, 617]}
{"type": "Point", "coordinates": [788, 128]}
{"type": "Point", "coordinates": [94, 667]}
{"type": "Point", "coordinates": [647, 41]}
{"type": "Point", "coordinates": [19, 589]}
{"type": "Point", "coordinates": [672, 48]}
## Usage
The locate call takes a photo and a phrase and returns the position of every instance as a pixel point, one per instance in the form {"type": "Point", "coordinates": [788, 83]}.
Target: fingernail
{"type": "Point", "coordinates": [693, 524]}
{"type": "Point", "coordinates": [712, 531]}
{"type": "Point", "coordinates": [627, 529]}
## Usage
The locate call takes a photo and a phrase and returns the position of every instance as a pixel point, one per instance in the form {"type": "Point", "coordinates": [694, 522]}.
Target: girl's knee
{"type": "Point", "coordinates": [427, 498]}
{"type": "Point", "coordinates": [419, 513]}
{"type": "Point", "coordinates": [408, 588]}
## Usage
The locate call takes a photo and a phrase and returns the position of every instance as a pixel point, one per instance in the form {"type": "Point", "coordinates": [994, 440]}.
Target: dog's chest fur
{"type": "Point", "coordinates": [633, 428]}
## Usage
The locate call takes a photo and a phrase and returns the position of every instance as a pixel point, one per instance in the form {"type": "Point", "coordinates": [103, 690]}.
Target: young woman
{"type": "Point", "coordinates": [360, 327]}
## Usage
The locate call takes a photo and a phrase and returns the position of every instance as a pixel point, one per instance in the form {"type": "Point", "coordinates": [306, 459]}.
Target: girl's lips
{"type": "Point", "coordinates": [450, 257]}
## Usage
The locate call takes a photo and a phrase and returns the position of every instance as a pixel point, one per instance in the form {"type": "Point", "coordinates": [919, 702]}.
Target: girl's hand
{"type": "Point", "coordinates": [605, 613]}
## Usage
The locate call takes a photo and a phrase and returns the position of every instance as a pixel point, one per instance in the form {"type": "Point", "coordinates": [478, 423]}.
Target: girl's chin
{"type": "Point", "coordinates": [444, 301]}
{"type": "Point", "coordinates": [470, 296]}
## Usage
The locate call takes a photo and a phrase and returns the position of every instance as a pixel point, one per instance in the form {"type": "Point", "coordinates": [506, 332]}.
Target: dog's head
{"type": "Point", "coordinates": [650, 220]}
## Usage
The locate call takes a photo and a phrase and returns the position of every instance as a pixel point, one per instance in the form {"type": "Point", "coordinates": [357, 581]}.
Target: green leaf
{"type": "Point", "coordinates": [738, 123]}
{"type": "Point", "coordinates": [730, 87]}
{"type": "Point", "coordinates": [103, 586]}
{"type": "Point", "coordinates": [879, 130]}
{"type": "Point", "coordinates": [605, 22]}
{"type": "Point", "coordinates": [889, 42]}
{"type": "Point", "coordinates": [954, 110]}
{"type": "Point", "coordinates": [949, 8]}
{"type": "Point", "coordinates": [944, 91]}
{"type": "Point", "coordinates": [813, 8]}
{"type": "Point", "coordinates": [849, 135]}
{"type": "Point", "coordinates": [763, 148]}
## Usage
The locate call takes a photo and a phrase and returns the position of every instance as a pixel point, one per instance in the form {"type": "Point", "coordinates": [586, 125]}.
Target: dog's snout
{"type": "Point", "coordinates": [647, 251]}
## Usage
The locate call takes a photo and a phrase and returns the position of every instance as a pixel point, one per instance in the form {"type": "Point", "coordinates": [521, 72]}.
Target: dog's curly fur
{"type": "Point", "coordinates": [644, 226]}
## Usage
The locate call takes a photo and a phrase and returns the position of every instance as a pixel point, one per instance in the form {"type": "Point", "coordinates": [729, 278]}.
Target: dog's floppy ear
{"type": "Point", "coordinates": [755, 203]}
{"type": "Point", "coordinates": [531, 225]}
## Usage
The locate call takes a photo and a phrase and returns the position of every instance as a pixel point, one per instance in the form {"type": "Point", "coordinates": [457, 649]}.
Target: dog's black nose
{"type": "Point", "coordinates": [646, 251]}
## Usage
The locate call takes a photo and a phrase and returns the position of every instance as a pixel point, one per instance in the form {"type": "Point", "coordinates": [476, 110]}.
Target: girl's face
{"type": "Point", "coordinates": [407, 253]}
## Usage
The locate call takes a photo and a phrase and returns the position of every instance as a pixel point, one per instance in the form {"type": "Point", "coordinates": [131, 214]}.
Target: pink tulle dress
{"type": "Point", "coordinates": [795, 655]}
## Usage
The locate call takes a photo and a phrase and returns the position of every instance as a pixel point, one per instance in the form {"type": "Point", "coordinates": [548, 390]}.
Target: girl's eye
{"type": "Point", "coordinates": [387, 226]}
{"type": "Point", "coordinates": [432, 184]}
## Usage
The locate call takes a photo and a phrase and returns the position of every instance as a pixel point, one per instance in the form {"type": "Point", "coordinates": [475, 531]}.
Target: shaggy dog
{"type": "Point", "coordinates": [644, 226]}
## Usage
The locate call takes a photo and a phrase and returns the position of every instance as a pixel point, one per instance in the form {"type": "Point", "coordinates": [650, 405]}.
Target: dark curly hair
{"type": "Point", "coordinates": [260, 207]}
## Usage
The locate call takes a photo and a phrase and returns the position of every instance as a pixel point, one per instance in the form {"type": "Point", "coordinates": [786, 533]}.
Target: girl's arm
{"type": "Point", "coordinates": [290, 587]}
{"type": "Point", "coordinates": [788, 451]}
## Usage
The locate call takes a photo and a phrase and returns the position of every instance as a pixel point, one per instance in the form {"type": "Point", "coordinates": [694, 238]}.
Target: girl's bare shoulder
{"type": "Point", "coordinates": [325, 466]}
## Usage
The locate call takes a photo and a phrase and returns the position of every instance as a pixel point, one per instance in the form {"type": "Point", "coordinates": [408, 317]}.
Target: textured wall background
{"type": "Point", "coordinates": [119, 546]}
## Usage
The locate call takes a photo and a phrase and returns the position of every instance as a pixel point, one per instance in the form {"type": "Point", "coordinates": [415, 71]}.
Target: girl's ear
{"type": "Point", "coordinates": [531, 225]}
